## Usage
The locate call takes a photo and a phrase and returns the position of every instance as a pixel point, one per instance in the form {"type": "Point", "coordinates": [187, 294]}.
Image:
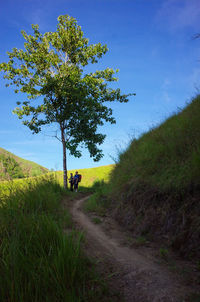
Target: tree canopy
{"type": "Point", "coordinates": [50, 71]}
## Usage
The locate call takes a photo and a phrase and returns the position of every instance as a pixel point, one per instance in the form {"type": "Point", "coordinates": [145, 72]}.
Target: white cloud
{"type": "Point", "coordinates": [179, 14]}
{"type": "Point", "coordinates": [165, 97]}
{"type": "Point", "coordinates": [165, 91]}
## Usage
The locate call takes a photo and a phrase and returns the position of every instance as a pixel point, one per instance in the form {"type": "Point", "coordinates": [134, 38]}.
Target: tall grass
{"type": "Point", "coordinates": [167, 157]}
{"type": "Point", "coordinates": [38, 262]}
{"type": "Point", "coordinates": [98, 202]}
{"type": "Point", "coordinates": [154, 188]}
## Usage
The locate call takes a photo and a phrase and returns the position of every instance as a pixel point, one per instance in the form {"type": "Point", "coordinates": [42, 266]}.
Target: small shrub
{"type": "Point", "coordinates": [98, 202]}
{"type": "Point", "coordinates": [11, 168]}
{"type": "Point", "coordinates": [140, 240]}
{"type": "Point", "coordinates": [164, 253]}
{"type": "Point", "coordinates": [96, 220]}
{"type": "Point", "coordinates": [91, 204]}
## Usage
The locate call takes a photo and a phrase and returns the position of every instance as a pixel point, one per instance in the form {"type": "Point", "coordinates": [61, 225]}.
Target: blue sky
{"type": "Point", "coordinates": [150, 41]}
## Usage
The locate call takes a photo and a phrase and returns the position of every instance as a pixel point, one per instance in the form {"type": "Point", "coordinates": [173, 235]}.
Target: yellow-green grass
{"type": "Point", "coordinates": [91, 175]}
{"type": "Point", "coordinates": [12, 187]}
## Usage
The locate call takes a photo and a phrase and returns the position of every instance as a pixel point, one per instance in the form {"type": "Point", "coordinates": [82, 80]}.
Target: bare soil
{"type": "Point", "coordinates": [134, 273]}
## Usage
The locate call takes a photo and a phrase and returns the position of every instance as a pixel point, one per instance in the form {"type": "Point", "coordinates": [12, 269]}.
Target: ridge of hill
{"type": "Point", "coordinates": [12, 166]}
{"type": "Point", "coordinates": [154, 189]}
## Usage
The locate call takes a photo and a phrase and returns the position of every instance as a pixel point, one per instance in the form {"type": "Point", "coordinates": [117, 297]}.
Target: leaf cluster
{"type": "Point", "coordinates": [51, 66]}
{"type": "Point", "coordinates": [10, 167]}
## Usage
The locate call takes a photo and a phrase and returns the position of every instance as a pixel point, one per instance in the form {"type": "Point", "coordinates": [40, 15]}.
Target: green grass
{"type": "Point", "coordinates": [141, 240]}
{"type": "Point", "coordinates": [167, 157]}
{"type": "Point", "coordinates": [98, 202]}
{"type": "Point", "coordinates": [90, 176]}
{"type": "Point", "coordinates": [93, 204]}
{"type": "Point", "coordinates": [164, 253]}
{"type": "Point", "coordinates": [154, 187]}
{"type": "Point", "coordinates": [96, 220]}
{"type": "Point", "coordinates": [38, 261]}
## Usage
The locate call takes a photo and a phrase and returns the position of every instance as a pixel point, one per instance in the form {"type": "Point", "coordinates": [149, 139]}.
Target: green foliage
{"type": "Point", "coordinates": [92, 205]}
{"type": "Point", "coordinates": [96, 220]}
{"type": "Point", "coordinates": [164, 253]}
{"type": "Point", "coordinates": [25, 168]}
{"type": "Point", "coordinates": [38, 261]}
{"type": "Point", "coordinates": [10, 167]}
{"type": "Point", "coordinates": [51, 65]}
{"type": "Point", "coordinates": [36, 171]}
{"type": "Point", "coordinates": [141, 240]}
{"type": "Point", "coordinates": [98, 202]}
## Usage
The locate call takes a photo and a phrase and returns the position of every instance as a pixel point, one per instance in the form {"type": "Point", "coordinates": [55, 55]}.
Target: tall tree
{"type": "Point", "coordinates": [51, 68]}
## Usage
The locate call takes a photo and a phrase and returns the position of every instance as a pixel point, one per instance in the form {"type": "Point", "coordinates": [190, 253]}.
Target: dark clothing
{"type": "Point", "coordinates": [76, 181]}
{"type": "Point", "coordinates": [71, 181]}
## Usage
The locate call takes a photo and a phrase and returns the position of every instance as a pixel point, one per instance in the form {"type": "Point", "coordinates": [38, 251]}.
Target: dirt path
{"type": "Point", "coordinates": [138, 278]}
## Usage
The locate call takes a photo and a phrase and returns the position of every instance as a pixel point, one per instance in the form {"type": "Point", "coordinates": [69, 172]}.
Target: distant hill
{"type": "Point", "coordinates": [12, 166]}
{"type": "Point", "coordinates": [90, 175]}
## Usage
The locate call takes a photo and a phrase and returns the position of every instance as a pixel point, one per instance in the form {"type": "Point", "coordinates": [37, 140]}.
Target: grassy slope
{"type": "Point", "coordinates": [89, 176]}
{"type": "Point", "coordinates": [29, 168]}
{"type": "Point", "coordinates": [155, 187]}
{"type": "Point", "coordinates": [167, 157]}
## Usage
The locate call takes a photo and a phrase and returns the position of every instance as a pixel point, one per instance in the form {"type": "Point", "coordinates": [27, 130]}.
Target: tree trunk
{"type": "Point", "coordinates": [64, 158]}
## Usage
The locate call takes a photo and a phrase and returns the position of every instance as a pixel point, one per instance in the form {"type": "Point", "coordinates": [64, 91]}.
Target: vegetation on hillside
{"type": "Point", "coordinates": [167, 157]}
{"type": "Point", "coordinates": [91, 175]}
{"type": "Point", "coordinates": [154, 189]}
{"type": "Point", "coordinates": [38, 260]}
{"type": "Point", "coordinates": [12, 166]}
{"type": "Point", "coordinates": [9, 168]}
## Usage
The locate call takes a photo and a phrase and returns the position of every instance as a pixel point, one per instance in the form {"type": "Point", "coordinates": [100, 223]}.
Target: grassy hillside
{"type": "Point", "coordinates": [167, 157]}
{"type": "Point", "coordinates": [12, 166]}
{"type": "Point", "coordinates": [91, 175]}
{"type": "Point", "coordinates": [155, 186]}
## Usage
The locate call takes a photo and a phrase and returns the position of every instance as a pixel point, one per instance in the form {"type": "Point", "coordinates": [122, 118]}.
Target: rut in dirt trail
{"type": "Point", "coordinates": [140, 279]}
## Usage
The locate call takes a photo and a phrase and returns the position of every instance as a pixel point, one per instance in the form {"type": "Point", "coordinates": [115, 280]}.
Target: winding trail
{"type": "Point", "coordinates": [139, 278]}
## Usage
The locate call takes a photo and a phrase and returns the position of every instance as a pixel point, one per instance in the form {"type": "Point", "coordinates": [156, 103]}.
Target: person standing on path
{"type": "Point", "coordinates": [76, 179]}
{"type": "Point", "coordinates": [71, 181]}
